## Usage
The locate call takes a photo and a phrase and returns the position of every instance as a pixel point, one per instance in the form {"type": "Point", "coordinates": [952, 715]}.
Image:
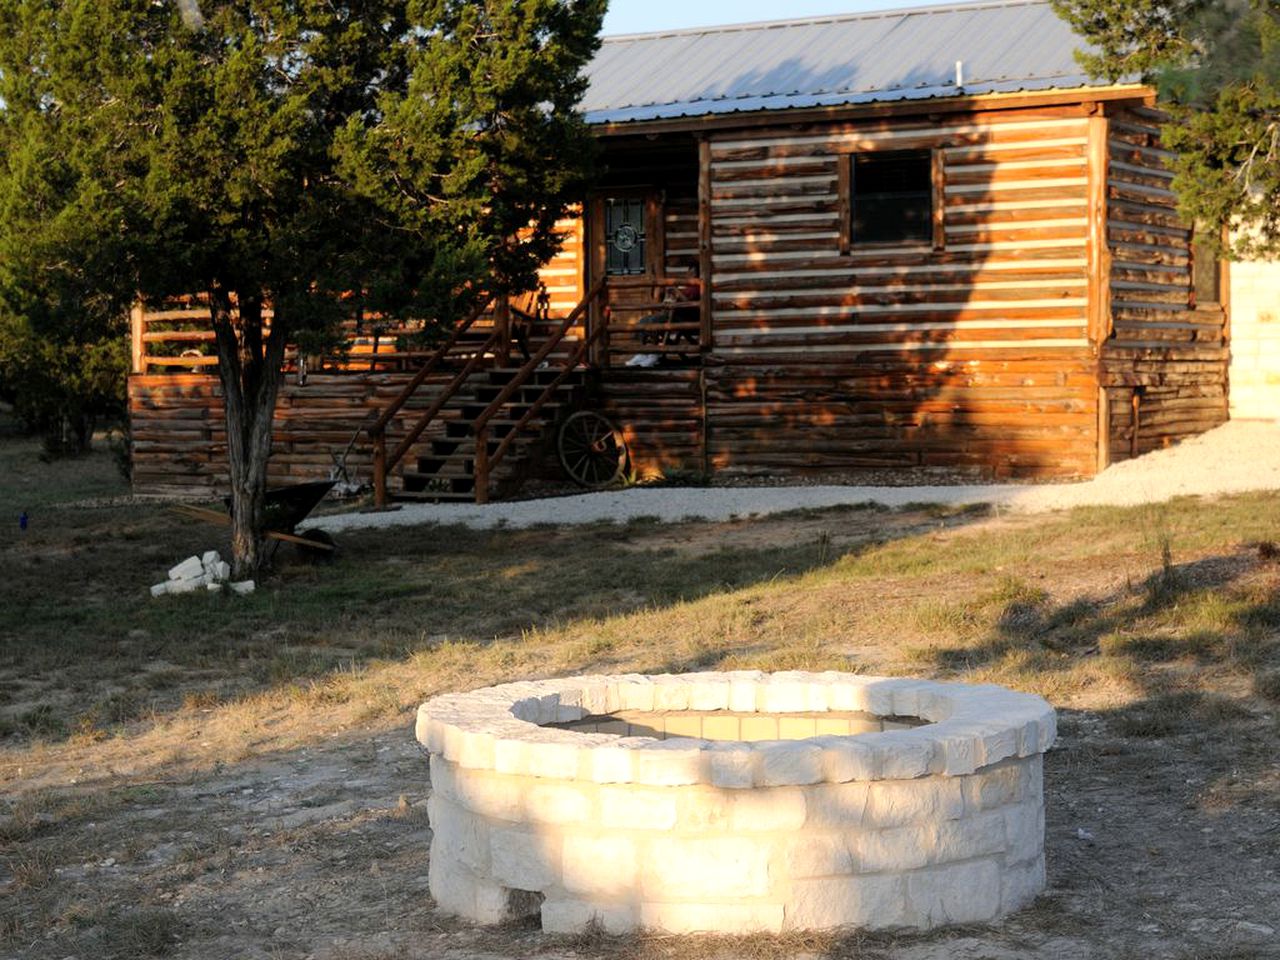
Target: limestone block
{"type": "Point", "coordinates": [875, 697]}
{"type": "Point", "coordinates": [213, 587]}
{"type": "Point", "coordinates": [457, 834]}
{"type": "Point", "coordinates": [896, 803]}
{"type": "Point", "coordinates": [577, 916]}
{"type": "Point", "coordinates": [709, 693]}
{"type": "Point", "coordinates": [491, 795]}
{"type": "Point", "coordinates": [956, 893]}
{"type": "Point", "coordinates": [995, 786]}
{"type": "Point", "coordinates": [159, 589]}
{"type": "Point", "coordinates": [558, 802]}
{"type": "Point", "coordinates": [775, 809]}
{"type": "Point", "coordinates": [704, 809]}
{"type": "Point", "coordinates": [759, 728]}
{"type": "Point", "coordinates": [472, 750]}
{"type": "Point", "coordinates": [905, 755]}
{"type": "Point", "coordinates": [1021, 884]}
{"type": "Point", "coordinates": [807, 855]}
{"type": "Point", "coordinates": [721, 727]}
{"type": "Point", "coordinates": [670, 763]}
{"type": "Point", "coordinates": [959, 751]}
{"type": "Point", "coordinates": [674, 868]}
{"type": "Point", "coordinates": [840, 805]}
{"type": "Point", "coordinates": [221, 571]}
{"type": "Point", "coordinates": [198, 582]}
{"type": "Point", "coordinates": [451, 885]}
{"type": "Point", "coordinates": [1024, 831]}
{"type": "Point", "coordinates": [980, 835]}
{"type": "Point", "coordinates": [567, 713]}
{"type": "Point", "coordinates": [1048, 730]}
{"type": "Point", "coordinates": [243, 587]}
{"type": "Point", "coordinates": [732, 765]}
{"type": "Point", "coordinates": [553, 759]}
{"type": "Point", "coordinates": [422, 720]}
{"type": "Point", "coordinates": [712, 918]}
{"type": "Point", "coordinates": [670, 693]}
{"type": "Point", "coordinates": [631, 808]}
{"type": "Point", "coordinates": [997, 742]}
{"type": "Point", "coordinates": [209, 560]}
{"type": "Point", "coordinates": [494, 903]}
{"type": "Point", "coordinates": [526, 709]}
{"type": "Point", "coordinates": [510, 756]}
{"type": "Point", "coordinates": [897, 848]}
{"type": "Point", "coordinates": [743, 694]}
{"type": "Point", "coordinates": [599, 866]}
{"type": "Point", "coordinates": [788, 762]}
{"type": "Point", "coordinates": [784, 696]}
{"type": "Point", "coordinates": [797, 728]}
{"type": "Point", "coordinates": [188, 569]}
{"type": "Point", "coordinates": [548, 709]}
{"type": "Point", "coordinates": [906, 698]}
{"type": "Point", "coordinates": [874, 902]}
{"type": "Point", "coordinates": [611, 764]}
{"type": "Point", "coordinates": [848, 758]}
{"type": "Point", "coordinates": [595, 698]}
{"type": "Point", "coordinates": [442, 776]}
{"type": "Point", "coordinates": [524, 859]}
{"type": "Point", "coordinates": [844, 693]}
{"type": "Point", "coordinates": [627, 686]}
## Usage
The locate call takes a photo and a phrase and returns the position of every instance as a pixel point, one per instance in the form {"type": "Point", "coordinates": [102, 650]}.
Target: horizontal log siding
{"type": "Point", "coordinates": [972, 357]}
{"type": "Point", "coordinates": [179, 436]}
{"type": "Point", "coordinates": [1173, 358]}
{"type": "Point", "coordinates": [659, 412]}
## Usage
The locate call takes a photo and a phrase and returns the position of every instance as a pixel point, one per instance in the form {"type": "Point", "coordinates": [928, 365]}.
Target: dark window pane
{"type": "Point", "coordinates": [1205, 273]}
{"type": "Point", "coordinates": [893, 197]}
{"type": "Point", "coordinates": [624, 237]}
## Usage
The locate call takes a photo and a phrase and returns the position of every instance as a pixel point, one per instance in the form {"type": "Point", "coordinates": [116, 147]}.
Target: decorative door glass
{"type": "Point", "coordinates": [624, 236]}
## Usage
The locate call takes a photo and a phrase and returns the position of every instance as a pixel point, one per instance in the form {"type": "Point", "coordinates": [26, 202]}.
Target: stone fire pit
{"type": "Point", "coordinates": [736, 802]}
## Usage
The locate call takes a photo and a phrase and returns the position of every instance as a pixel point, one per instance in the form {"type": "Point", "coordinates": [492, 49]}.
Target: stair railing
{"type": "Point", "coordinates": [484, 463]}
{"type": "Point", "coordinates": [377, 431]}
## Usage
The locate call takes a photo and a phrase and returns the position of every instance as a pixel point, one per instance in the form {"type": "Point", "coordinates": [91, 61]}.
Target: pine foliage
{"type": "Point", "coordinates": [1216, 65]}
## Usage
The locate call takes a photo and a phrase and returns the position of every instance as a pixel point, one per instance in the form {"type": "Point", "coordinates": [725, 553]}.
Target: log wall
{"type": "Point", "coordinates": [178, 428]}
{"type": "Point", "coordinates": [973, 356]}
{"type": "Point", "coordinates": [1164, 362]}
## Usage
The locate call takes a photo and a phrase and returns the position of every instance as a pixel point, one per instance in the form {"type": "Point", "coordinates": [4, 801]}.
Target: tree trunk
{"type": "Point", "coordinates": [249, 366]}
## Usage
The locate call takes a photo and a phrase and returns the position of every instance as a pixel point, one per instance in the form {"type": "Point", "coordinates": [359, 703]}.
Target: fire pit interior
{"type": "Point", "coordinates": [736, 802]}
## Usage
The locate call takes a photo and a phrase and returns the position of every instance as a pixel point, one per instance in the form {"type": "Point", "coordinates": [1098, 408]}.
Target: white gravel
{"type": "Point", "coordinates": [1237, 457]}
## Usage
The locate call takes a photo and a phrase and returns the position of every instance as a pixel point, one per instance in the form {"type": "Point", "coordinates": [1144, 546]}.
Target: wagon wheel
{"type": "Point", "coordinates": [592, 450]}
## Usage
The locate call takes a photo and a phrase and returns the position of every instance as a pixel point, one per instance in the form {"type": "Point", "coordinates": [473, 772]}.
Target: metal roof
{"type": "Point", "coordinates": [907, 54]}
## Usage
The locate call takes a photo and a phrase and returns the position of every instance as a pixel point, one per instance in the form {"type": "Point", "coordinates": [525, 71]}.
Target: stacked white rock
{"type": "Point", "coordinates": [206, 572]}
{"type": "Point", "coordinates": [930, 825]}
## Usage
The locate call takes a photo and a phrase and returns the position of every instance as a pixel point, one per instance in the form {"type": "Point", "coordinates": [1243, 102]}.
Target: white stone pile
{"type": "Point", "coordinates": [205, 572]}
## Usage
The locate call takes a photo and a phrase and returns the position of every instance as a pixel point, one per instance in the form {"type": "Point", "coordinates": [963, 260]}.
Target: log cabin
{"type": "Point", "coordinates": [919, 240]}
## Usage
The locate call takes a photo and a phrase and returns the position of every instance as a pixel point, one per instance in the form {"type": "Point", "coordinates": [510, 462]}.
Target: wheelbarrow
{"type": "Point", "coordinates": [283, 509]}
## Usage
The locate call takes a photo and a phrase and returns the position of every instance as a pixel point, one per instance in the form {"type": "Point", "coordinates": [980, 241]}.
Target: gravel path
{"type": "Point", "coordinates": [1237, 457]}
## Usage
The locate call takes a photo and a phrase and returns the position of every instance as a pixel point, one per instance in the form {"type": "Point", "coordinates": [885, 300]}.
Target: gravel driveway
{"type": "Point", "coordinates": [1237, 457]}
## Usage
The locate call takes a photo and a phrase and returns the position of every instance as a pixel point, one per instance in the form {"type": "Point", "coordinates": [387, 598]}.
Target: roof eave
{"type": "Point", "coordinates": [731, 119]}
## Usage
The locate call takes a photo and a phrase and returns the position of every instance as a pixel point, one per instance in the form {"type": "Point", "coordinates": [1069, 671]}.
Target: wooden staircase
{"type": "Point", "coordinates": [448, 470]}
{"type": "Point", "coordinates": [492, 419]}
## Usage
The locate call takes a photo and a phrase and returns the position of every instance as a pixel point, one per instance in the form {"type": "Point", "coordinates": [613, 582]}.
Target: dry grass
{"type": "Point", "coordinates": [1149, 626]}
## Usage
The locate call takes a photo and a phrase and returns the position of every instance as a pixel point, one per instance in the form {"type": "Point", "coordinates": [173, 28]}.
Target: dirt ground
{"type": "Point", "coordinates": [267, 799]}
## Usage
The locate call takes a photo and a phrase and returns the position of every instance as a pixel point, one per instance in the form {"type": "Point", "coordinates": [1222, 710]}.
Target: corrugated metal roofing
{"type": "Point", "coordinates": [861, 58]}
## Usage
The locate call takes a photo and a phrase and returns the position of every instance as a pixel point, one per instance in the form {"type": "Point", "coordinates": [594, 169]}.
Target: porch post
{"type": "Point", "coordinates": [704, 242]}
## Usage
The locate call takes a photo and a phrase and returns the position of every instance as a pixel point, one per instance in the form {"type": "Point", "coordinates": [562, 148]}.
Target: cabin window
{"type": "Point", "coordinates": [892, 197]}
{"type": "Point", "coordinates": [1206, 272]}
{"type": "Point", "coordinates": [624, 236]}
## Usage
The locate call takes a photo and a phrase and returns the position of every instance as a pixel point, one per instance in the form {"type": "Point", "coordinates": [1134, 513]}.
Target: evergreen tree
{"type": "Point", "coordinates": [290, 159]}
{"type": "Point", "coordinates": [1216, 65]}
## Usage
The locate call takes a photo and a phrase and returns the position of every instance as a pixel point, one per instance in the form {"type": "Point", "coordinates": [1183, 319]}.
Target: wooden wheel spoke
{"type": "Point", "coordinates": [591, 450]}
